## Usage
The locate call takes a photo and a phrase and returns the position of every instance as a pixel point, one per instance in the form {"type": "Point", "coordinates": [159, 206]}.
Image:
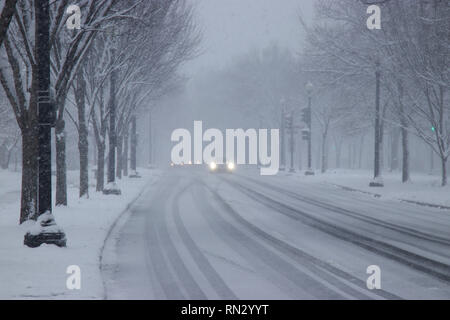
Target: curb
{"type": "Point", "coordinates": [376, 195]}
{"type": "Point", "coordinates": [112, 227]}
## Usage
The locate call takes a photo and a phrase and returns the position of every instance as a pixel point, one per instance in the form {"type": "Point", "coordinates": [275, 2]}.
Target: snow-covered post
{"type": "Point", "coordinates": [45, 229]}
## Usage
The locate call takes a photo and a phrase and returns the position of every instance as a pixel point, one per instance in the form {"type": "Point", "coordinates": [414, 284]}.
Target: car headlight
{"type": "Point", "coordinates": [213, 166]}
{"type": "Point", "coordinates": [230, 166]}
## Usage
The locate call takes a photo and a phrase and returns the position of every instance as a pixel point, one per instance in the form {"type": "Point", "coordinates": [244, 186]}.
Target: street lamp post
{"type": "Point", "coordinates": [45, 229]}
{"type": "Point", "coordinates": [309, 90]}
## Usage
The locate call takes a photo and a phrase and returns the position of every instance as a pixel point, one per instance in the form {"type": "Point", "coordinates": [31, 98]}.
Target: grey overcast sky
{"type": "Point", "coordinates": [233, 27]}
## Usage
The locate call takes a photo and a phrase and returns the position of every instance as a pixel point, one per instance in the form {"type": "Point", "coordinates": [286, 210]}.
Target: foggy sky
{"type": "Point", "coordinates": [233, 27]}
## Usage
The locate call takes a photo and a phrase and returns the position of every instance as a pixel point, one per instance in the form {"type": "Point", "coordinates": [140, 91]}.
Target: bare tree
{"type": "Point", "coordinates": [148, 51]}
{"type": "Point", "coordinates": [7, 13]}
{"type": "Point", "coordinates": [18, 78]}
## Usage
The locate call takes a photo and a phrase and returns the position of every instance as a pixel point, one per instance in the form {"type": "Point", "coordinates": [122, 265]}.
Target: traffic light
{"type": "Point", "coordinates": [306, 115]}
{"type": "Point", "coordinates": [305, 134]}
{"type": "Point", "coordinates": [288, 122]}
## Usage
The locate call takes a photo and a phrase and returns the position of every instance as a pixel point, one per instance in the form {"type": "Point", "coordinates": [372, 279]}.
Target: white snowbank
{"type": "Point", "coordinates": [422, 187]}
{"type": "Point", "coordinates": [41, 272]}
{"type": "Point", "coordinates": [38, 226]}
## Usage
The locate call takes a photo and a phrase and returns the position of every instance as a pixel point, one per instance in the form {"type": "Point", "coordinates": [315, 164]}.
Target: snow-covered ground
{"type": "Point", "coordinates": [41, 272]}
{"type": "Point", "coordinates": [218, 236]}
{"type": "Point", "coordinates": [422, 187]}
{"type": "Point", "coordinates": [198, 235]}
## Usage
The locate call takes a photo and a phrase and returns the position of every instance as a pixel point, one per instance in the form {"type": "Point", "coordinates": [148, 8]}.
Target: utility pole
{"type": "Point", "coordinates": [111, 187]}
{"type": "Point", "coordinates": [45, 230]}
{"type": "Point", "coordinates": [309, 89]}
{"type": "Point", "coordinates": [377, 180]}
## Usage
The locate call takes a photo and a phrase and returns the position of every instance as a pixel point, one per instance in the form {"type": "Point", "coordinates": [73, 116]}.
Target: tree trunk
{"type": "Point", "coordinates": [338, 153]}
{"type": "Point", "coordinates": [83, 142]}
{"type": "Point", "coordinates": [16, 158]}
{"type": "Point", "coordinates": [444, 171]}
{"type": "Point", "coordinates": [61, 169]}
{"type": "Point", "coordinates": [150, 142]}
{"type": "Point", "coordinates": [442, 134]}
{"type": "Point", "coordinates": [8, 157]}
{"type": "Point", "coordinates": [355, 154]}
{"type": "Point", "coordinates": [83, 148]}
{"type": "Point", "coordinates": [349, 155]}
{"type": "Point", "coordinates": [405, 150]}
{"type": "Point", "coordinates": [119, 157]}
{"type": "Point", "coordinates": [125, 153]}
{"type": "Point", "coordinates": [100, 167]}
{"type": "Point", "coordinates": [431, 161]}
{"type": "Point", "coordinates": [404, 135]}
{"type": "Point", "coordinates": [324, 153]}
{"type": "Point", "coordinates": [299, 152]}
{"type": "Point", "coordinates": [28, 208]}
{"type": "Point", "coordinates": [94, 152]}
{"type": "Point", "coordinates": [112, 127]}
{"type": "Point", "coordinates": [282, 143]}
{"type": "Point", "coordinates": [377, 134]}
{"type": "Point", "coordinates": [9, 8]}
{"type": "Point", "coordinates": [361, 148]}
{"type": "Point", "coordinates": [381, 143]}
{"type": "Point", "coordinates": [133, 146]}
{"type": "Point", "coordinates": [395, 139]}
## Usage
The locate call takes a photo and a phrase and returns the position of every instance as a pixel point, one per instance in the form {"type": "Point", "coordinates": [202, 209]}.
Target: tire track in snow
{"type": "Point", "coordinates": [281, 272]}
{"type": "Point", "coordinates": [435, 268]}
{"type": "Point", "coordinates": [322, 269]}
{"type": "Point", "coordinates": [355, 215]}
{"type": "Point", "coordinates": [159, 242]}
{"type": "Point", "coordinates": [202, 262]}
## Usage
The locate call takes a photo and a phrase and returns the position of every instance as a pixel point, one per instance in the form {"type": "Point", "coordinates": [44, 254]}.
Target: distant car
{"type": "Point", "coordinates": [181, 164]}
{"type": "Point", "coordinates": [227, 167]}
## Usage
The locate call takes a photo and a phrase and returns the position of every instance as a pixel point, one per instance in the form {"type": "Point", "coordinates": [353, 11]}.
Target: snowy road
{"type": "Point", "coordinates": [243, 236]}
